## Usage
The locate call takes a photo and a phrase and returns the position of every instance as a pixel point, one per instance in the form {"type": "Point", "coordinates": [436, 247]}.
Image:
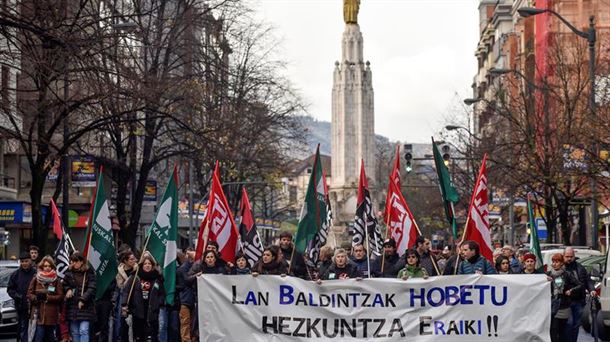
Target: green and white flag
{"type": "Point", "coordinates": [534, 241]}
{"type": "Point", "coordinates": [162, 236]}
{"type": "Point", "coordinates": [99, 245]}
{"type": "Point", "coordinates": [313, 214]}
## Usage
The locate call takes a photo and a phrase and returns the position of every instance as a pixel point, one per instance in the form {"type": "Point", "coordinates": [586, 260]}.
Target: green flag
{"type": "Point", "coordinates": [534, 241]}
{"type": "Point", "coordinates": [99, 245]}
{"type": "Point", "coordinates": [313, 213]}
{"type": "Point", "coordinates": [162, 236]}
{"type": "Point", "coordinates": [448, 192]}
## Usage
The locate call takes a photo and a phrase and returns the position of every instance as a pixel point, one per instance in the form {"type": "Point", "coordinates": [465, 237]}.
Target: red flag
{"type": "Point", "coordinates": [477, 226]}
{"type": "Point", "coordinates": [394, 178]}
{"type": "Point", "coordinates": [401, 224]}
{"type": "Point", "coordinates": [56, 221]}
{"type": "Point", "coordinates": [252, 246]}
{"type": "Point", "coordinates": [219, 222]}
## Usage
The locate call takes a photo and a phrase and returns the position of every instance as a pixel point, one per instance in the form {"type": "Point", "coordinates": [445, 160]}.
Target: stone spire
{"type": "Point", "coordinates": [353, 123]}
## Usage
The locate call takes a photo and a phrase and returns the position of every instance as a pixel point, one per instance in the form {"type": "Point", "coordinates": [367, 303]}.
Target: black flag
{"type": "Point", "coordinates": [365, 222]}
{"type": "Point", "coordinates": [251, 242]}
{"type": "Point", "coordinates": [319, 240]}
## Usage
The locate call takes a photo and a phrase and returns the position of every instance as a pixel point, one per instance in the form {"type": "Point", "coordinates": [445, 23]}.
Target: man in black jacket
{"type": "Point", "coordinates": [389, 264]}
{"type": "Point", "coordinates": [426, 260]}
{"type": "Point", "coordinates": [298, 267]}
{"type": "Point", "coordinates": [578, 298]}
{"type": "Point", "coordinates": [17, 289]}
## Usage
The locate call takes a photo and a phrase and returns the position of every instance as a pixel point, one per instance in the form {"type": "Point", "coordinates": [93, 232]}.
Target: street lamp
{"type": "Point", "coordinates": [590, 36]}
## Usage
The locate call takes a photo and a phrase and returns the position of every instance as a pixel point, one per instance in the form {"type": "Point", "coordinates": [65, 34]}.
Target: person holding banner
{"type": "Point", "coordinates": [390, 264]}
{"type": "Point", "coordinates": [143, 296]}
{"type": "Point", "coordinates": [46, 294]}
{"type": "Point", "coordinates": [427, 260]}
{"type": "Point", "coordinates": [412, 268]}
{"type": "Point", "coordinates": [242, 266]}
{"type": "Point", "coordinates": [269, 264]}
{"type": "Point", "coordinates": [503, 265]}
{"type": "Point", "coordinates": [563, 287]}
{"type": "Point", "coordinates": [474, 262]}
{"type": "Point", "coordinates": [79, 284]}
{"type": "Point", "coordinates": [294, 259]}
{"type": "Point", "coordinates": [360, 260]}
{"type": "Point", "coordinates": [341, 269]}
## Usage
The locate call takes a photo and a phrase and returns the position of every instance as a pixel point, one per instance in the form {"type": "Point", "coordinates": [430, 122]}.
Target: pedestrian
{"type": "Point", "coordinates": [324, 260]}
{"type": "Point", "coordinates": [529, 264]}
{"type": "Point", "coordinates": [474, 262]}
{"type": "Point", "coordinates": [46, 294]}
{"type": "Point", "coordinates": [427, 260]}
{"type": "Point", "coordinates": [79, 285]}
{"type": "Point", "coordinates": [143, 296]}
{"type": "Point", "coordinates": [563, 286]}
{"type": "Point", "coordinates": [446, 253]}
{"type": "Point", "coordinates": [184, 286]}
{"type": "Point", "coordinates": [413, 268]}
{"type": "Point", "coordinates": [103, 312]}
{"type": "Point", "coordinates": [17, 289]}
{"type": "Point", "coordinates": [503, 265]}
{"type": "Point", "coordinates": [340, 268]}
{"type": "Point", "coordinates": [128, 262]}
{"type": "Point", "coordinates": [451, 267]}
{"type": "Point", "coordinates": [390, 263]}
{"type": "Point", "coordinates": [579, 296]}
{"type": "Point", "coordinates": [34, 254]}
{"type": "Point", "coordinates": [509, 252]}
{"type": "Point", "coordinates": [269, 264]}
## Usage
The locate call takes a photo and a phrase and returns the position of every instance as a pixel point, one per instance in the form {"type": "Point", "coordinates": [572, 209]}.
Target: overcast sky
{"type": "Point", "coordinates": [421, 54]}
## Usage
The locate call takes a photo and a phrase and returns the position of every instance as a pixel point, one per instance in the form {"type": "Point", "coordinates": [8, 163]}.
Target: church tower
{"type": "Point", "coordinates": [353, 122]}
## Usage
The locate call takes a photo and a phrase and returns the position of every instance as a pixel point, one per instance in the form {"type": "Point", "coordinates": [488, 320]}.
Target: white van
{"type": "Point", "coordinates": [579, 252]}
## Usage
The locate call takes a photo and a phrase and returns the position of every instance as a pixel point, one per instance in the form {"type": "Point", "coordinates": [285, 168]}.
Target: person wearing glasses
{"type": "Point", "coordinates": [412, 267]}
{"type": "Point", "coordinates": [46, 294]}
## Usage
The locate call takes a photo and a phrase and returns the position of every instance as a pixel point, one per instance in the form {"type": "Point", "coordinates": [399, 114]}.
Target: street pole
{"type": "Point", "coordinates": [511, 219]}
{"type": "Point", "coordinates": [65, 163]}
{"type": "Point", "coordinates": [592, 107]}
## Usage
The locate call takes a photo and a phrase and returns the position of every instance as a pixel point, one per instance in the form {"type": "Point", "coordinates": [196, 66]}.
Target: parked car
{"type": "Point", "coordinates": [9, 264]}
{"type": "Point", "coordinates": [8, 314]}
{"type": "Point", "coordinates": [579, 253]}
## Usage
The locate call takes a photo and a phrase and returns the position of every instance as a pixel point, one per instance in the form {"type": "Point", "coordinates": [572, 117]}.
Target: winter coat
{"type": "Point", "coordinates": [515, 266]}
{"type": "Point", "coordinates": [413, 272]}
{"type": "Point", "coordinates": [391, 266]}
{"type": "Point", "coordinates": [122, 275]}
{"type": "Point", "coordinates": [580, 273]}
{"type": "Point", "coordinates": [476, 264]}
{"type": "Point", "coordinates": [362, 265]}
{"type": "Point", "coordinates": [147, 297]}
{"type": "Point", "coordinates": [240, 271]}
{"type": "Point", "coordinates": [428, 262]}
{"type": "Point", "coordinates": [560, 284]}
{"type": "Point", "coordinates": [49, 309]}
{"type": "Point", "coordinates": [17, 288]}
{"type": "Point", "coordinates": [184, 285]}
{"type": "Point", "coordinates": [334, 272]}
{"type": "Point", "coordinates": [272, 268]}
{"type": "Point", "coordinates": [450, 265]}
{"type": "Point", "coordinates": [298, 268]}
{"type": "Point", "coordinates": [323, 266]}
{"type": "Point", "coordinates": [74, 281]}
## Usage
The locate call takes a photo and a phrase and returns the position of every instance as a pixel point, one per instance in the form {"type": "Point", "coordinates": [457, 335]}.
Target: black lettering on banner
{"type": "Point", "coordinates": [453, 328]}
{"type": "Point", "coordinates": [283, 326]}
{"type": "Point", "coordinates": [396, 326]}
{"type": "Point", "coordinates": [266, 325]}
{"type": "Point", "coordinates": [424, 322]}
{"type": "Point", "coordinates": [365, 322]}
{"type": "Point", "coordinates": [365, 302]}
{"type": "Point", "coordinates": [389, 298]}
{"type": "Point", "coordinates": [345, 326]}
{"type": "Point", "coordinates": [296, 332]}
{"type": "Point", "coordinates": [381, 322]}
{"type": "Point", "coordinates": [312, 327]}
{"type": "Point", "coordinates": [468, 329]}
{"type": "Point", "coordinates": [325, 330]}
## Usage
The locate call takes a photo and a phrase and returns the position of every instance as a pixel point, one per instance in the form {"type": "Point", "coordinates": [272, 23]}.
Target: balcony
{"type": "Point", "coordinates": [8, 187]}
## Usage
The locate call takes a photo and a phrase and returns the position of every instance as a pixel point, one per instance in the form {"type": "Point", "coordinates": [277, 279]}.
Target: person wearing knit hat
{"type": "Point", "coordinates": [529, 261]}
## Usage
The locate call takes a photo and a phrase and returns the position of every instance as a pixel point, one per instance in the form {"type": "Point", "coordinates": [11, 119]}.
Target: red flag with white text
{"type": "Point", "coordinates": [401, 224]}
{"type": "Point", "coordinates": [394, 178]}
{"type": "Point", "coordinates": [219, 223]}
{"type": "Point", "coordinates": [477, 226]}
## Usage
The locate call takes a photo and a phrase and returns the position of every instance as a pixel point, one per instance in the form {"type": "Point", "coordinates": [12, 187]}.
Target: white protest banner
{"type": "Point", "coordinates": [502, 308]}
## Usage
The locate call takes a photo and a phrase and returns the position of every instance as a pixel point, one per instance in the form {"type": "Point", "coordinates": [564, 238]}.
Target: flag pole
{"type": "Point", "coordinates": [457, 255]}
{"type": "Point", "coordinates": [387, 230]}
{"type": "Point", "coordinates": [368, 247]}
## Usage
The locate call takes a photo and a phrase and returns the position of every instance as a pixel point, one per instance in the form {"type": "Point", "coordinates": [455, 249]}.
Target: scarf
{"type": "Point", "coordinates": [148, 276]}
{"type": "Point", "coordinates": [46, 278]}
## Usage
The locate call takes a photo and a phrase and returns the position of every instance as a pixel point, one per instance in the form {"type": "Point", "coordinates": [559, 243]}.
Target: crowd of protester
{"type": "Point", "coordinates": [134, 308]}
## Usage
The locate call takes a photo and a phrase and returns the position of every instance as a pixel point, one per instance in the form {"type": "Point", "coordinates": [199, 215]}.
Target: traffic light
{"type": "Point", "coordinates": [408, 149]}
{"type": "Point", "coordinates": [446, 154]}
